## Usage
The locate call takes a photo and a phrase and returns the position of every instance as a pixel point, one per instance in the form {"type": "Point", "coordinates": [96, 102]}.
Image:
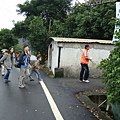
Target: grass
{"type": "Point", "coordinates": [48, 72]}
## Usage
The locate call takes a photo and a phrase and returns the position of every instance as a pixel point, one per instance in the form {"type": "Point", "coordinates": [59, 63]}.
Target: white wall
{"type": "Point", "coordinates": [70, 57]}
{"type": "Point", "coordinates": [70, 60]}
{"type": "Point", "coordinates": [97, 55]}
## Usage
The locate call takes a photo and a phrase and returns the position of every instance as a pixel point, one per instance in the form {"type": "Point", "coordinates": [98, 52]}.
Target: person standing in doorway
{"type": "Point", "coordinates": [84, 60]}
{"type": "Point", "coordinates": [24, 67]}
{"type": "Point", "coordinates": [8, 59]}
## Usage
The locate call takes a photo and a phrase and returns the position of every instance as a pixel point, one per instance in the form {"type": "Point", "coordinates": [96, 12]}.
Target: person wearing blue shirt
{"type": "Point", "coordinates": [24, 66]}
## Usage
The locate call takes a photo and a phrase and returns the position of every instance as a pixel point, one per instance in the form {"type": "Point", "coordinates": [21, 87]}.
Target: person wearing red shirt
{"type": "Point", "coordinates": [84, 60]}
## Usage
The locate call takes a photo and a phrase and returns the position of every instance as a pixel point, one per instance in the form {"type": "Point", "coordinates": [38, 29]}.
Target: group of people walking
{"type": "Point", "coordinates": [8, 61]}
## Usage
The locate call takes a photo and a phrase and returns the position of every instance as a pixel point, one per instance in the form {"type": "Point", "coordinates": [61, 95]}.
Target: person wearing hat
{"type": "Point", "coordinates": [8, 59]}
{"type": "Point", "coordinates": [2, 63]}
{"type": "Point", "coordinates": [84, 60]}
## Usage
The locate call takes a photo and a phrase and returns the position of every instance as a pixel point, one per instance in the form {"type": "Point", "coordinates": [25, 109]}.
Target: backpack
{"type": "Point", "coordinates": [20, 61]}
{"type": "Point", "coordinates": [36, 65]}
{"type": "Point", "coordinates": [17, 64]}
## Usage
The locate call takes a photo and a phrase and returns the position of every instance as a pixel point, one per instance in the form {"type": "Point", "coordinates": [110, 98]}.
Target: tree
{"type": "Point", "coordinates": [21, 29]}
{"type": "Point", "coordinates": [49, 10]}
{"type": "Point", "coordinates": [91, 22]}
{"type": "Point", "coordinates": [96, 2]}
{"type": "Point", "coordinates": [104, 25]}
{"type": "Point", "coordinates": [111, 75]}
{"type": "Point", "coordinates": [18, 47]}
{"type": "Point", "coordinates": [59, 19]}
{"type": "Point", "coordinates": [38, 36]}
{"type": "Point", "coordinates": [7, 39]}
{"type": "Point", "coordinates": [58, 29]}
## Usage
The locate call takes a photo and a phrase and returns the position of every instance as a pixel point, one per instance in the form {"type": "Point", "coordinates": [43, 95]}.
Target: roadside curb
{"type": "Point", "coordinates": [92, 107]}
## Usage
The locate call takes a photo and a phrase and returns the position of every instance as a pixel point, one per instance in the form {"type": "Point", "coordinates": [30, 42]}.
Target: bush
{"type": "Point", "coordinates": [111, 75]}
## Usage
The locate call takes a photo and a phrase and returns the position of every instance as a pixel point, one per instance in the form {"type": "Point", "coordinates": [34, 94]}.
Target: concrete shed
{"type": "Point", "coordinates": [66, 52]}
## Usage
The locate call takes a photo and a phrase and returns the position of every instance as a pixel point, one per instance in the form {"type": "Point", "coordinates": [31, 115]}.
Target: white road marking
{"type": "Point", "coordinates": [53, 106]}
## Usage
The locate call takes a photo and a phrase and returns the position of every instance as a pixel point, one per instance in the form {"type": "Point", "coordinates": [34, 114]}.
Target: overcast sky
{"type": "Point", "coordinates": [8, 12]}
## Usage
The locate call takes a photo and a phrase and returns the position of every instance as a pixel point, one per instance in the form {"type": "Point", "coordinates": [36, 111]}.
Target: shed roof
{"type": "Point", "coordinates": [80, 40]}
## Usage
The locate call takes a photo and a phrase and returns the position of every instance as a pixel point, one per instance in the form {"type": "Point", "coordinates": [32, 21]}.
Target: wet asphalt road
{"type": "Point", "coordinates": [31, 102]}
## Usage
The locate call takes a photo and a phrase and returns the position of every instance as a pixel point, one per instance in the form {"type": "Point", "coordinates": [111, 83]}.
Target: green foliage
{"type": "Point", "coordinates": [49, 10]}
{"type": "Point", "coordinates": [21, 29]}
{"type": "Point", "coordinates": [7, 39]}
{"type": "Point", "coordinates": [91, 22]}
{"type": "Point", "coordinates": [57, 29]}
{"type": "Point", "coordinates": [57, 18]}
{"type": "Point", "coordinates": [94, 2]}
{"type": "Point", "coordinates": [18, 47]}
{"type": "Point", "coordinates": [40, 15]}
{"type": "Point", "coordinates": [117, 34]}
{"type": "Point", "coordinates": [48, 72]}
{"type": "Point", "coordinates": [111, 75]}
{"type": "Point", "coordinates": [38, 36]}
{"type": "Point", "coordinates": [86, 21]}
{"type": "Point", "coordinates": [83, 21]}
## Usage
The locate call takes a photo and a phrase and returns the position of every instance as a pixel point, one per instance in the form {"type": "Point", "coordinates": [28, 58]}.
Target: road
{"type": "Point", "coordinates": [50, 100]}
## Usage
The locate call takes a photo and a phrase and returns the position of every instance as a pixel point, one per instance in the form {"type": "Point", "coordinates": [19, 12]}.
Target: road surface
{"type": "Point", "coordinates": [49, 100]}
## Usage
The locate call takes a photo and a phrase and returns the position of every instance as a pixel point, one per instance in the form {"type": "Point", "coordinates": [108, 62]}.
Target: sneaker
{"type": "Point", "coordinates": [21, 86]}
{"type": "Point", "coordinates": [6, 81]}
{"type": "Point", "coordinates": [86, 81]}
{"type": "Point", "coordinates": [41, 80]}
{"type": "Point", "coordinates": [32, 79]}
{"type": "Point", "coordinates": [80, 81]}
